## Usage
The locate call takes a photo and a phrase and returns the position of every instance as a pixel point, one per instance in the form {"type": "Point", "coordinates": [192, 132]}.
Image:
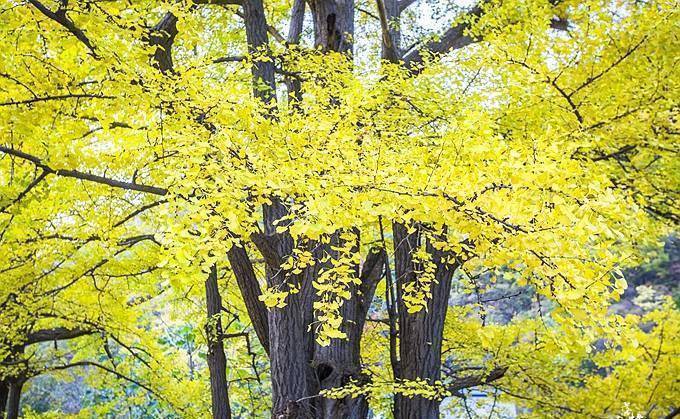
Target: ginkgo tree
{"type": "Point", "coordinates": [158, 157]}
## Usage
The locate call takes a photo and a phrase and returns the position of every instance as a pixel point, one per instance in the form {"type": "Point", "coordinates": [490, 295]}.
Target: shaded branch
{"type": "Point", "coordinates": [163, 36]}
{"type": "Point", "coordinates": [455, 38]}
{"type": "Point", "coordinates": [390, 50]}
{"type": "Point", "coordinates": [234, 59]}
{"type": "Point", "coordinates": [452, 39]}
{"type": "Point", "coordinates": [403, 4]}
{"type": "Point", "coordinates": [267, 247]}
{"type": "Point", "coordinates": [297, 18]}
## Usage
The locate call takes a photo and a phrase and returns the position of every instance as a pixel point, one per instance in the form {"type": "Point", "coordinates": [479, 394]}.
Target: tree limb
{"type": "Point", "coordinates": [60, 17]}
{"type": "Point", "coordinates": [82, 175]}
{"type": "Point", "coordinates": [56, 97]}
{"type": "Point", "coordinates": [250, 290]}
{"type": "Point", "coordinates": [455, 38]}
{"type": "Point", "coordinates": [58, 333]}
{"type": "Point", "coordinates": [461, 383]}
{"type": "Point", "coordinates": [404, 4]}
{"type": "Point", "coordinates": [265, 244]}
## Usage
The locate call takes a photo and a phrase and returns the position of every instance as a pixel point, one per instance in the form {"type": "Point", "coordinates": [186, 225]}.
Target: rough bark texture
{"type": "Point", "coordinates": [333, 24]}
{"type": "Point", "coordinates": [389, 11]}
{"type": "Point", "coordinates": [297, 18]}
{"type": "Point", "coordinates": [340, 361]}
{"type": "Point", "coordinates": [420, 334]}
{"type": "Point", "coordinates": [14, 399]}
{"type": "Point", "coordinates": [290, 367]}
{"type": "Point", "coordinates": [264, 86]}
{"type": "Point", "coordinates": [217, 362]}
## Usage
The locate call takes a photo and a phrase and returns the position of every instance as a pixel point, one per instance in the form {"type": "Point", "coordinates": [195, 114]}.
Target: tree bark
{"type": "Point", "coordinates": [217, 362]}
{"type": "Point", "coordinates": [421, 333]}
{"type": "Point", "coordinates": [340, 361]}
{"type": "Point", "coordinates": [14, 398]}
{"type": "Point", "coordinates": [4, 395]}
{"type": "Point", "coordinates": [288, 336]}
{"type": "Point", "coordinates": [250, 291]}
{"type": "Point", "coordinates": [264, 84]}
{"type": "Point", "coordinates": [333, 24]}
{"type": "Point", "coordinates": [389, 12]}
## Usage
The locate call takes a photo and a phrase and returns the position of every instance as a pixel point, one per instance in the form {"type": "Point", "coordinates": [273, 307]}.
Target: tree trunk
{"type": "Point", "coordinates": [264, 83]}
{"type": "Point", "coordinates": [217, 362]}
{"type": "Point", "coordinates": [288, 336]}
{"type": "Point", "coordinates": [4, 395]}
{"type": "Point", "coordinates": [421, 333]}
{"type": "Point", "coordinates": [340, 361]}
{"type": "Point", "coordinates": [333, 24]}
{"type": "Point", "coordinates": [14, 398]}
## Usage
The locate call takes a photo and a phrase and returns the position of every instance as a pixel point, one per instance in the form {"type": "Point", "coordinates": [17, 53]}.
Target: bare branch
{"type": "Point", "coordinates": [219, 2]}
{"type": "Point", "coordinates": [234, 59]}
{"type": "Point", "coordinates": [163, 35]}
{"type": "Point", "coordinates": [390, 50]}
{"type": "Point", "coordinates": [265, 244]}
{"type": "Point", "coordinates": [247, 282]}
{"type": "Point", "coordinates": [297, 17]}
{"type": "Point", "coordinates": [455, 38]}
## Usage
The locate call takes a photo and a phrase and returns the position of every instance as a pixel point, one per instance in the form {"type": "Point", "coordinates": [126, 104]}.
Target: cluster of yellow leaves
{"type": "Point", "coordinates": [334, 286]}
{"type": "Point", "coordinates": [417, 293]}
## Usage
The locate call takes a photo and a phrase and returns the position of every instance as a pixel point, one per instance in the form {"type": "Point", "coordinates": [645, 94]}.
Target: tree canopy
{"type": "Point", "coordinates": [313, 209]}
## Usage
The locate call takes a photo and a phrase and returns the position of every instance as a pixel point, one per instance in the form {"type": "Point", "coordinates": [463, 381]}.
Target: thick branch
{"type": "Point", "coordinates": [455, 38]}
{"type": "Point", "coordinates": [82, 175]}
{"type": "Point", "coordinates": [163, 35]}
{"type": "Point", "coordinates": [390, 49]}
{"type": "Point", "coordinates": [476, 380]}
{"type": "Point", "coordinates": [250, 290]}
{"type": "Point", "coordinates": [297, 17]}
{"type": "Point", "coordinates": [371, 272]}
{"type": "Point", "coordinates": [60, 17]}
{"type": "Point", "coordinates": [59, 333]}
{"type": "Point", "coordinates": [267, 247]}
{"type": "Point", "coordinates": [403, 4]}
